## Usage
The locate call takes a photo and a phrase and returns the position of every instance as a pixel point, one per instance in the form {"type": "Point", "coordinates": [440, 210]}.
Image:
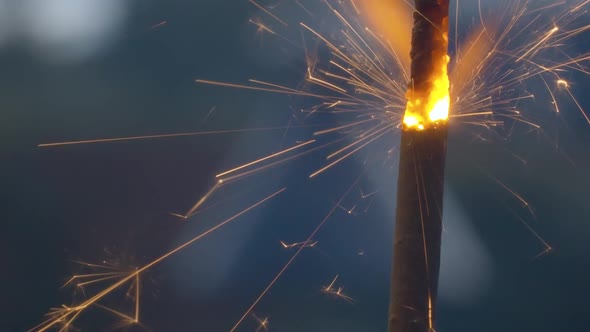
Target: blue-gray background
{"type": "Point", "coordinates": [101, 69]}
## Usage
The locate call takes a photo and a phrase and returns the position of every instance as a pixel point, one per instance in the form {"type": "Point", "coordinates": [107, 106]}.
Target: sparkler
{"type": "Point", "coordinates": [363, 88]}
{"type": "Point", "coordinates": [418, 225]}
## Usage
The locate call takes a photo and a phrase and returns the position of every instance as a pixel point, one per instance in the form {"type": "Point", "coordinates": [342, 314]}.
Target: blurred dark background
{"type": "Point", "coordinates": [88, 69]}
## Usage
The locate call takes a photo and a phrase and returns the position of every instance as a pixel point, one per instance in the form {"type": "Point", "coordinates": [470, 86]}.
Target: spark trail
{"type": "Point", "coordinates": [147, 137]}
{"type": "Point", "coordinates": [64, 318]}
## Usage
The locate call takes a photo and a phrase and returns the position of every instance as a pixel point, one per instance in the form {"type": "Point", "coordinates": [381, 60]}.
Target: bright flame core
{"type": "Point", "coordinates": [429, 108]}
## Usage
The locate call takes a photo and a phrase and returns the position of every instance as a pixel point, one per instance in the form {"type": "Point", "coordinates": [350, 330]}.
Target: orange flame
{"type": "Point", "coordinates": [392, 21]}
{"type": "Point", "coordinates": [431, 108]}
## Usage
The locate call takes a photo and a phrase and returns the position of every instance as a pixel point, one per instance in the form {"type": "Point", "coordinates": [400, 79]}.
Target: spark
{"type": "Point", "coordinates": [274, 155]}
{"type": "Point", "coordinates": [295, 255]}
{"type": "Point", "coordinates": [137, 286]}
{"type": "Point", "coordinates": [580, 108]}
{"type": "Point", "coordinates": [178, 215]}
{"type": "Point", "coordinates": [305, 9]}
{"type": "Point", "coordinates": [145, 137]}
{"type": "Point", "coordinates": [282, 90]}
{"type": "Point", "coordinates": [126, 318]}
{"type": "Point", "coordinates": [262, 27]}
{"type": "Point", "coordinates": [335, 129]}
{"type": "Point", "coordinates": [268, 12]}
{"type": "Point", "coordinates": [92, 276]}
{"type": "Point", "coordinates": [298, 244]}
{"type": "Point", "coordinates": [348, 211]}
{"type": "Point", "coordinates": [363, 195]}
{"type": "Point", "coordinates": [280, 161]}
{"type": "Point", "coordinates": [208, 115]}
{"type": "Point", "coordinates": [514, 193]}
{"type": "Point", "coordinates": [262, 323]}
{"type": "Point", "coordinates": [336, 291]}
{"type": "Point", "coordinates": [159, 25]}
{"type": "Point", "coordinates": [68, 315]}
{"type": "Point", "coordinates": [547, 247]}
{"type": "Point", "coordinates": [541, 41]}
{"type": "Point", "coordinates": [562, 83]}
{"type": "Point", "coordinates": [367, 142]}
{"type": "Point", "coordinates": [200, 202]}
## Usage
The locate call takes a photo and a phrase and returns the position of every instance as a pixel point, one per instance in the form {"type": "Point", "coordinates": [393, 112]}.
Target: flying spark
{"type": "Point", "coordinates": [336, 291]}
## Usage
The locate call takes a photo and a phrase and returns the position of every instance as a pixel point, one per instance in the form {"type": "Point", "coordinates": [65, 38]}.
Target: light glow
{"type": "Point", "coordinates": [431, 107]}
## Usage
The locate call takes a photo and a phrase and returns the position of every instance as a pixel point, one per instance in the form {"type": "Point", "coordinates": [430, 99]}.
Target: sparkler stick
{"type": "Point", "coordinates": [418, 227]}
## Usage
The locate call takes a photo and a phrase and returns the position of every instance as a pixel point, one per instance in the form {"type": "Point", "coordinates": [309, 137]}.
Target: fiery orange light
{"type": "Point", "coordinates": [381, 14]}
{"type": "Point", "coordinates": [431, 107]}
{"type": "Point", "coordinates": [428, 104]}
